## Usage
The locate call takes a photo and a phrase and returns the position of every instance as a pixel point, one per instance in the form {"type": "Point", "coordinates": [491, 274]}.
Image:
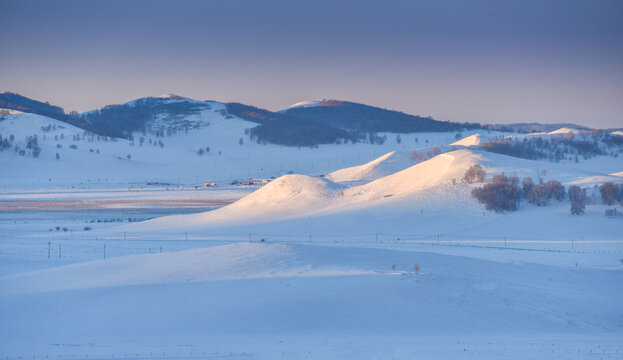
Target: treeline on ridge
{"type": "Point", "coordinates": [335, 121]}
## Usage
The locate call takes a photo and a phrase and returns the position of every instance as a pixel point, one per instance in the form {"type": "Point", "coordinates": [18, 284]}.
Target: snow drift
{"type": "Point", "coordinates": [228, 262]}
{"type": "Point", "coordinates": [387, 164]}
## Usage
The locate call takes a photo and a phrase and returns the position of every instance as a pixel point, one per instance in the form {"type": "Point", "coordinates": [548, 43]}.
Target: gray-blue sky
{"type": "Point", "coordinates": [487, 61]}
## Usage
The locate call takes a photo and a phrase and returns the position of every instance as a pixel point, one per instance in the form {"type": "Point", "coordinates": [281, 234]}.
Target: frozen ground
{"type": "Point", "coordinates": [335, 275]}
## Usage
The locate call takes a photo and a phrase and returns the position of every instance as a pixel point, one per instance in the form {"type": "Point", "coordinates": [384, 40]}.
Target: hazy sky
{"type": "Point", "coordinates": [486, 61]}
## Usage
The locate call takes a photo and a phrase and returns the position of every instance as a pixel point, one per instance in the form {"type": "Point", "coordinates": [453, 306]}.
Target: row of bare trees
{"type": "Point", "coordinates": [503, 193]}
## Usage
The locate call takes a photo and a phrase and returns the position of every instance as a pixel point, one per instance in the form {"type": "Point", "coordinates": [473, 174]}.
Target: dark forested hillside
{"type": "Point", "coordinates": [335, 121]}
{"type": "Point", "coordinates": [360, 117]}
{"type": "Point", "coordinates": [18, 102]}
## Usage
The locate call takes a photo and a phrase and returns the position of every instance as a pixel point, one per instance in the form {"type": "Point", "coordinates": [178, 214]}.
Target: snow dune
{"type": "Point", "coordinates": [228, 262]}
{"type": "Point", "coordinates": [436, 171]}
{"type": "Point", "coordinates": [297, 196]}
{"type": "Point", "coordinates": [471, 140]}
{"type": "Point", "coordinates": [387, 164]}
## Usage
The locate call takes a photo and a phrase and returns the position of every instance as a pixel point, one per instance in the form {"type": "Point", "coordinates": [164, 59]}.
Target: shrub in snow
{"type": "Point", "coordinates": [475, 173]}
{"type": "Point", "coordinates": [500, 195]}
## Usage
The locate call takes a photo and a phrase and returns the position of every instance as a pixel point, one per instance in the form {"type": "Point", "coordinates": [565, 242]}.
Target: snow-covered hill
{"type": "Point", "coordinates": [210, 146]}
{"type": "Point", "coordinates": [422, 201]}
{"type": "Point", "coordinates": [385, 165]}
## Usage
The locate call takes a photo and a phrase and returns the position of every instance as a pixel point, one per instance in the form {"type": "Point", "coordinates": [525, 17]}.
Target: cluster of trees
{"type": "Point", "coordinates": [559, 147]}
{"type": "Point", "coordinates": [310, 134]}
{"type": "Point", "coordinates": [375, 139]}
{"type": "Point", "coordinates": [420, 156]}
{"type": "Point", "coordinates": [503, 193]}
{"type": "Point", "coordinates": [50, 127]}
{"type": "Point", "coordinates": [6, 142]}
{"type": "Point", "coordinates": [500, 195]}
{"type": "Point", "coordinates": [541, 194]}
{"type": "Point", "coordinates": [202, 151]}
{"type": "Point", "coordinates": [32, 143]}
{"type": "Point", "coordinates": [611, 193]}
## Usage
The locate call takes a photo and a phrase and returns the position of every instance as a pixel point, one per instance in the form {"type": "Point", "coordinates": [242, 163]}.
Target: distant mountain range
{"type": "Point", "coordinates": [303, 124]}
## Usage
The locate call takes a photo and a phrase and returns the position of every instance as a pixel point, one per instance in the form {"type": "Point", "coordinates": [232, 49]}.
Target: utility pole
{"type": "Point", "coordinates": [104, 251]}
{"type": "Point", "coordinates": [59, 251]}
{"type": "Point", "coordinates": [49, 248]}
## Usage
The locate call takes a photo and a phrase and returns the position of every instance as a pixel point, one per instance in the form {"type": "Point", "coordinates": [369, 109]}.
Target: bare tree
{"type": "Point", "coordinates": [577, 197]}
{"type": "Point", "coordinates": [608, 192]}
